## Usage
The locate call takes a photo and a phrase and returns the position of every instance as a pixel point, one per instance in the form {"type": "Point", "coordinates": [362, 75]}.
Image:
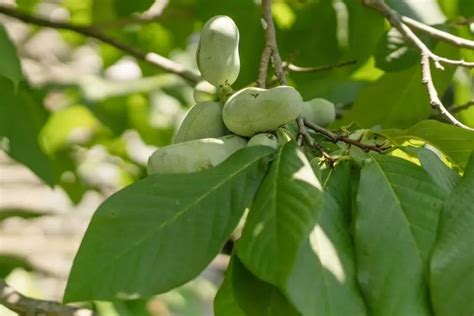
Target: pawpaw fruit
{"type": "Point", "coordinates": [203, 120]}
{"type": "Point", "coordinates": [218, 51]}
{"type": "Point", "coordinates": [319, 111]}
{"type": "Point", "coordinates": [254, 110]}
{"type": "Point", "coordinates": [194, 156]}
{"type": "Point", "coordinates": [204, 91]}
{"type": "Point", "coordinates": [264, 139]}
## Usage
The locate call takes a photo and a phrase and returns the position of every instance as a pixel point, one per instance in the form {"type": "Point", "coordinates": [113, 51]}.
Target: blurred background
{"type": "Point", "coordinates": [91, 115]}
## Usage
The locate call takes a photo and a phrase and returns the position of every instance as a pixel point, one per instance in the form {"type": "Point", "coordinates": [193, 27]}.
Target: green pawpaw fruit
{"type": "Point", "coordinates": [195, 155]}
{"type": "Point", "coordinates": [204, 91]}
{"type": "Point", "coordinates": [319, 111]}
{"type": "Point", "coordinates": [203, 120]}
{"type": "Point", "coordinates": [254, 110]}
{"type": "Point", "coordinates": [218, 51]}
{"type": "Point", "coordinates": [264, 139]}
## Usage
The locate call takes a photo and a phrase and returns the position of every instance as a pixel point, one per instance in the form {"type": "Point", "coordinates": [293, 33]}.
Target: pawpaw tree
{"type": "Point", "coordinates": [323, 149]}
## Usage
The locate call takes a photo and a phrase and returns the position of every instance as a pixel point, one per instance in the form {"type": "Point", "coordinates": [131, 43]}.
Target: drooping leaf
{"type": "Point", "coordinates": [162, 231]}
{"type": "Point", "coordinates": [281, 217]}
{"type": "Point", "coordinates": [21, 118]}
{"type": "Point", "coordinates": [9, 62]}
{"type": "Point", "coordinates": [243, 294]}
{"type": "Point", "coordinates": [455, 142]}
{"type": "Point", "coordinates": [398, 208]}
{"type": "Point", "coordinates": [452, 274]}
{"type": "Point", "coordinates": [324, 279]}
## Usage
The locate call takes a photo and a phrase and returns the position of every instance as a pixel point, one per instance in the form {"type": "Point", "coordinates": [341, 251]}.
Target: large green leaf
{"type": "Point", "coordinates": [281, 217]}
{"type": "Point", "coordinates": [243, 294]}
{"type": "Point", "coordinates": [9, 63]}
{"type": "Point", "coordinates": [455, 142]}
{"type": "Point", "coordinates": [162, 231]}
{"type": "Point", "coordinates": [21, 118]}
{"type": "Point", "coordinates": [324, 279]}
{"type": "Point", "coordinates": [452, 275]}
{"type": "Point", "coordinates": [395, 229]}
{"type": "Point", "coordinates": [398, 100]}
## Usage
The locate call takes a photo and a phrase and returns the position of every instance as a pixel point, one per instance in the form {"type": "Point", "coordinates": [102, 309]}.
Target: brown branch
{"type": "Point", "coordinates": [303, 132]}
{"type": "Point", "coordinates": [435, 101]}
{"type": "Point", "coordinates": [270, 44]}
{"type": "Point", "coordinates": [396, 20]}
{"type": "Point", "coordinates": [294, 68]}
{"type": "Point", "coordinates": [263, 68]}
{"type": "Point", "coordinates": [151, 58]}
{"type": "Point", "coordinates": [462, 107]}
{"type": "Point", "coordinates": [23, 305]}
{"type": "Point", "coordinates": [343, 138]}
{"type": "Point", "coordinates": [441, 35]}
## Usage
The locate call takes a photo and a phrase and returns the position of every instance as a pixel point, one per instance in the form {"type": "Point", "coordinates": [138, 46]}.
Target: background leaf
{"type": "Point", "coordinates": [398, 99]}
{"type": "Point", "coordinates": [21, 118]}
{"type": "Point", "coordinates": [163, 230]}
{"type": "Point", "coordinates": [126, 7]}
{"type": "Point", "coordinates": [394, 53]}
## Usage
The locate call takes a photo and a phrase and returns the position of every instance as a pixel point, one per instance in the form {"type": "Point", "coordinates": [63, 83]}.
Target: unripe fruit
{"type": "Point", "coordinates": [254, 110]}
{"type": "Point", "coordinates": [204, 91]}
{"type": "Point", "coordinates": [203, 120]}
{"type": "Point", "coordinates": [264, 139]}
{"type": "Point", "coordinates": [218, 51]}
{"type": "Point", "coordinates": [195, 155]}
{"type": "Point", "coordinates": [319, 111]}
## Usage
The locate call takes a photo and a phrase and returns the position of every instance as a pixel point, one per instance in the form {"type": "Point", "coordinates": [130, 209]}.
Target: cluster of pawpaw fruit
{"type": "Point", "coordinates": [222, 122]}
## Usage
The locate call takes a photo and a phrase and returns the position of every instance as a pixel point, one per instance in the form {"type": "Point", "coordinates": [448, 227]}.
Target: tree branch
{"type": "Point", "coordinates": [23, 305]}
{"type": "Point", "coordinates": [397, 21]}
{"type": "Point", "coordinates": [435, 101]}
{"type": "Point", "coordinates": [462, 107]}
{"type": "Point", "coordinates": [433, 32]}
{"type": "Point", "coordinates": [294, 68]}
{"type": "Point", "coordinates": [263, 68]}
{"type": "Point", "coordinates": [270, 45]}
{"type": "Point", "coordinates": [151, 58]}
{"type": "Point", "coordinates": [342, 138]}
